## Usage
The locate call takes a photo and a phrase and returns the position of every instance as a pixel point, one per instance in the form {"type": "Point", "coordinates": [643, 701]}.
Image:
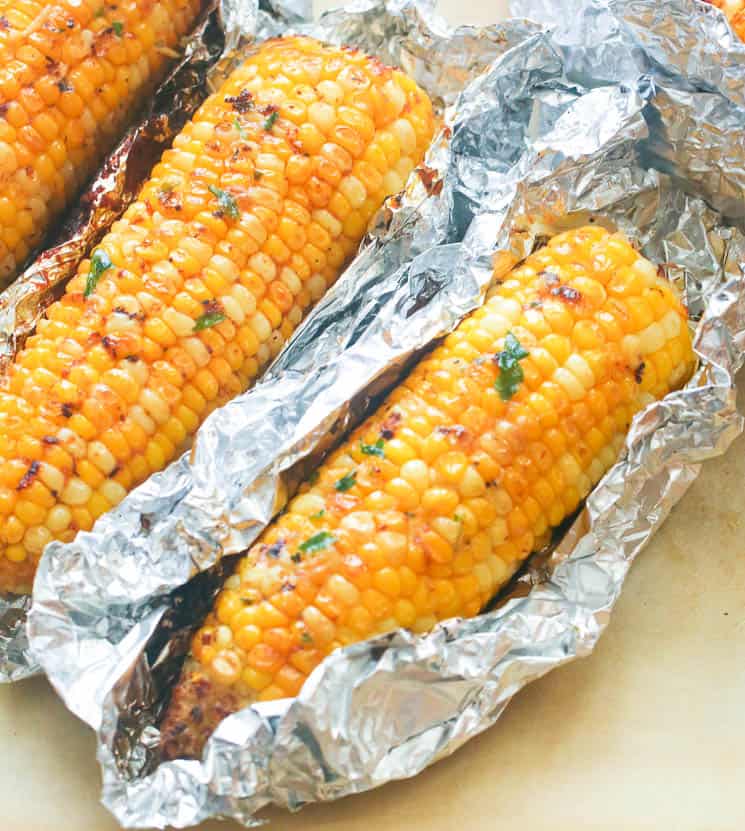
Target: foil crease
{"type": "Point", "coordinates": [596, 117]}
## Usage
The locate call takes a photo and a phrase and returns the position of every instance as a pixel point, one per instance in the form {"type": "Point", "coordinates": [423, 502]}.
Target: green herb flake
{"type": "Point", "coordinates": [208, 320]}
{"type": "Point", "coordinates": [314, 477]}
{"type": "Point", "coordinates": [347, 482]}
{"type": "Point", "coordinates": [306, 637]}
{"type": "Point", "coordinates": [239, 127]}
{"type": "Point", "coordinates": [511, 373]}
{"type": "Point", "coordinates": [100, 262]}
{"type": "Point", "coordinates": [269, 123]}
{"type": "Point", "coordinates": [295, 558]}
{"type": "Point", "coordinates": [317, 542]}
{"type": "Point", "coordinates": [373, 449]}
{"type": "Point", "coordinates": [318, 514]}
{"type": "Point", "coordinates": [100, 12]}
{"type": "Point", "coordinates": [227, 203]}
{"type": "Point", "coordinates": [118, 28]}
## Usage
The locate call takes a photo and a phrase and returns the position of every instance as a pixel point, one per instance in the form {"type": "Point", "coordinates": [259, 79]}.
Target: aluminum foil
{"type": "Point", "coordinates": [595, 120]}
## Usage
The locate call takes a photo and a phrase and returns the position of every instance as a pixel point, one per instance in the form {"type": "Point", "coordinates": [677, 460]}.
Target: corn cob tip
{"type": "Point", "coordinates": [432, 504]}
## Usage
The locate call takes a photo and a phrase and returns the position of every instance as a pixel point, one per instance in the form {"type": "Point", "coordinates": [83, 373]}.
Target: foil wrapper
{"type": "Point", "coordinates": [611, 115]}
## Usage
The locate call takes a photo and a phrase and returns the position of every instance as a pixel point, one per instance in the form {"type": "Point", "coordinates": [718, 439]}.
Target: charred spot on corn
{"type": "Point", "coordinates": [100, 262]}
{"type": "Point", "coordinates": [511, 374]}
{"type": "Point", "coordinates": [639, 372]}
{"type": "Point", "coordinates": [241, 103]}
{"type": "Point", "coordinates": [319, 541]}
{"type": "Point", "coordinates": [226, 202]}
{"type": "Point", "coordinates": [376, 449]}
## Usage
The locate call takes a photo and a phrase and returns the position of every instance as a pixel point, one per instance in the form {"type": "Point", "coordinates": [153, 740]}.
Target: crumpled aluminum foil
{"type": "Point", "coordinates": [599, 119]}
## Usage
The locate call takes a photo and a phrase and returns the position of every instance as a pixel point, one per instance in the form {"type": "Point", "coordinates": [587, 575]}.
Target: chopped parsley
{"type": "Point", "coordinates": [100, 262]}
{"type": "Point", "coordinates": [317, 542]}
{"type": "Point", "coordinates": [373, 449]}
{"type": "Point", "coordinates": [118, 28]}
{"type": "Point", "coordinates": [318, 514]}
{"type": "Point", "coordinates": [207, 320]}
{"type": "Point", "coordinates": [239, 127]}
{"type": "Point", "coordinates": [511, 373]}
{"type": "Point", "coordinates": [347, 482]}
{"type": "Point", "coordinates": [306, 637]}
{"type": "Point", "coordinates": [295, 557]}
{"type": "Point", "coordinates": [269, 123]}
{"type": "Point", "coordinates": [314, 477]}
{"type": "Point", "coordinates": [227, 203]}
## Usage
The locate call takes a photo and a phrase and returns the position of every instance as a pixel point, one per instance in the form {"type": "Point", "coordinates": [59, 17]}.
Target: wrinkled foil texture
{"type": "Point", "coordinates": [221, 29]}
{"type": "Point", "coordinates": [600, 118]}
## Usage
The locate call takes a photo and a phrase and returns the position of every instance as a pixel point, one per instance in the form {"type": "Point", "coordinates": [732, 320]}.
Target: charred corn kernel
{"type": "Point", "coordinates": [193, 290]}
{"type": "Point", "coordinates": [53, 62]}
{"type": "Point", "coordinates": [463, 505]}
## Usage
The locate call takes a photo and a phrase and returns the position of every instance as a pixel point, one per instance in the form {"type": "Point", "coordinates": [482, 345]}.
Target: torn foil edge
{"type": "Point", "coordinates": [385, 709]}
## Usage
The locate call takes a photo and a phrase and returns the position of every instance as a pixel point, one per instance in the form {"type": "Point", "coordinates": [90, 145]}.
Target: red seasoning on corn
{"type": "Point", "coordinates": [245, 222]}
{"type": "Point", "coordinates": [432, 504]}
{"type": "Point", "coordinates": [71, 76]}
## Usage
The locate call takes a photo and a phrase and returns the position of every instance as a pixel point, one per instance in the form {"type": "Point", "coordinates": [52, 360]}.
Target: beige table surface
{"type": "Point", "coordinates": [647, 733]}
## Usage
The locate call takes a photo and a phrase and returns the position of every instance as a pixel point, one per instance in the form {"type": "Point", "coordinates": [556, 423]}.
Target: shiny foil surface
{"type": "Point", "coordinates": [624, 113]}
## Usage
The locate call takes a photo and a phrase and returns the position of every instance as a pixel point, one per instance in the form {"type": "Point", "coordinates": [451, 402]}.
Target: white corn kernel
{"type": "Point", "coordinates": [569, 383]}
{"type": "Point", "coordinates": [155, 406]}
{"type": "Point", "coordinates": [101, 457]}
{"type": "Point", "coordinates": [353, 191]}
{"type": "Point", "coordinates": [113, 492]}
{"type": "Point", "coordinates": [58, 519]}
{"type": "Point", "coordinates": [76, 492]}
{"type": "Point", "coordinates": [180, 324]}
{"type": "Point", "coordinates": [579, 367]}
{"type": "Point", "coordinates": [405, 134]}
{"type": "Point", "coordinates": [308, 504]}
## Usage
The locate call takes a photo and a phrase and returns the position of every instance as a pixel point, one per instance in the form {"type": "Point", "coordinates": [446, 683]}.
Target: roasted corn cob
{"type": "Point", "coordinates": [71, 74]}
{"type": "Point", "coordinates": [435, 500]}
{"type": "Point", "coordinates": [735, 13]}
{"type": "Point", "coordinates": [244, 223]}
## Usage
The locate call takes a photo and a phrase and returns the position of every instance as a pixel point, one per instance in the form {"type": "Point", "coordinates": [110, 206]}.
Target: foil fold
{"type": "Point", "coordinates": [592, 119]}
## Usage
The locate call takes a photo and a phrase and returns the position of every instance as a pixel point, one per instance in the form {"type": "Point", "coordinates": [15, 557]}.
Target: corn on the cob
{"type": "Point", "coordinates": [244, 223]}
{"type": "Point", "coordinates": [71, 74]}
{"type": "Point", "coordinates": [435, 500]}
{"type": "Point", "coordinates": [735, 13]}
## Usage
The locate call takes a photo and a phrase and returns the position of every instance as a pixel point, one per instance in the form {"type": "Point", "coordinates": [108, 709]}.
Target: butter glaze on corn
{"type": "Point", "coordinates": [468, 484]}
{"type": "Point", "coordinates": [71, 75]}
{"type": "Point", "coordinates": [244, 224]}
